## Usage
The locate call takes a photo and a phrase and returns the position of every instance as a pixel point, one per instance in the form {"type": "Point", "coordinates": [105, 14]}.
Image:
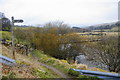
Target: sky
{"type": "Point", "coordinates": [73, 12]}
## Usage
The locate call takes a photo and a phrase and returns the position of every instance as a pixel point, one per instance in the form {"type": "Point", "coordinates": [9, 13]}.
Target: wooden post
{"type": "Point", "coordinates": [13, 47]}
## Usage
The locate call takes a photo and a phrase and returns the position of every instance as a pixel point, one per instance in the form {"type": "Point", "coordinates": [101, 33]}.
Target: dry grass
{"type": "Point", "coordinates": [97, 69]}
{"type": "Point", "coordinates": [82, 66]}
{"type": "Point", "coordinates": [85, 67]}
{"type": "Point", "coordinates": [26, 66]}
{"type": "Point", "coordinates": [23, 72]}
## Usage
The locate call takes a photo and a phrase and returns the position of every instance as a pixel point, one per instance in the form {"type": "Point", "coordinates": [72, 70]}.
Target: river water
{"type": "Point", "coordinates": [82, 59]}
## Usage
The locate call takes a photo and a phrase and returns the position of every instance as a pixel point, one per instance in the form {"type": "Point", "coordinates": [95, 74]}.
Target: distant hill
{"type": "Point", "coordinates": [22, 26]}
{"type": "Point", "coordinates": [104, 26]}
{"type": "Point", "coordinates": [78, 29]}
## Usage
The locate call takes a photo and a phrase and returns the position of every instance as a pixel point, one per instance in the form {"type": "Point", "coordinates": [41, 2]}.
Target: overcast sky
{"type": "Point", "coordinates": [73, 12]}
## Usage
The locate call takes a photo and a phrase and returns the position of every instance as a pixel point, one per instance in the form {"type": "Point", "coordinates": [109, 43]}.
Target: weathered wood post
{"type": "Point", "coordinates": [13, 46]}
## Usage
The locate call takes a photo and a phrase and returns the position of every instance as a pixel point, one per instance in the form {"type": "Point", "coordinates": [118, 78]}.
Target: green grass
{"type": "Point", "coordinates": [73, 73]}
{"type": "Point", "coordinates": [84, 77]}
{"type": "Point", "coordinates": [8, 36]}
{"type": "Point", "coordinates": [44, 73]}
{"type": "Point", "coordinates": [62, 65]}
{"type": "Point", "coordinates": [5, 35]}
{"type": "Point", "coordinates": [40, 71]}
{"type": "Point", "coordinates": [59, 64]}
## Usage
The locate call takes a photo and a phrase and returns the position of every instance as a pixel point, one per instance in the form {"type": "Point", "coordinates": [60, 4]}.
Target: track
{"type": "Point", "coordinates": [61, 74]}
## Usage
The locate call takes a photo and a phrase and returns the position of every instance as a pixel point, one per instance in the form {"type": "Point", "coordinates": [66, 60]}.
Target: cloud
{"type": "Point", "coordinates": [70, 11]}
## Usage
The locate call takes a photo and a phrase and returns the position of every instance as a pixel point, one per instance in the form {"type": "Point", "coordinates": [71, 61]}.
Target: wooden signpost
{"type": "Point", "coordinates": [13, 45]}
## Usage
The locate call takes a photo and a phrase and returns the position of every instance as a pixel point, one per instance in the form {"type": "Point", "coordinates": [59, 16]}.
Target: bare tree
{"type": "Point", "coordinates": [60, 27]}
{"type": "Point", "coordinates": [105, 52]}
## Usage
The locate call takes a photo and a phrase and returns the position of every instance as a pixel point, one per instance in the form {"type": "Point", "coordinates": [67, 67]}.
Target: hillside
{"type": "Point", "coordinates": [105, 26]}
{"type": "Point", "coordinates": [29, 67]}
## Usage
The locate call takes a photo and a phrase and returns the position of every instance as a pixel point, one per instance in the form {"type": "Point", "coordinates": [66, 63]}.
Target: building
{"type": "Point", "coordinates": [5, 23]}
{"type": "Point", "coordinates": [2, 15]}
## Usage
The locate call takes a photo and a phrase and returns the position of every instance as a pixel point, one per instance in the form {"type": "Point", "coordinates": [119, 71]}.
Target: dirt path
{"type": "Point", "coordinates": [61, 74]}
{"type": "Point", "coordinates": [55, 70]}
